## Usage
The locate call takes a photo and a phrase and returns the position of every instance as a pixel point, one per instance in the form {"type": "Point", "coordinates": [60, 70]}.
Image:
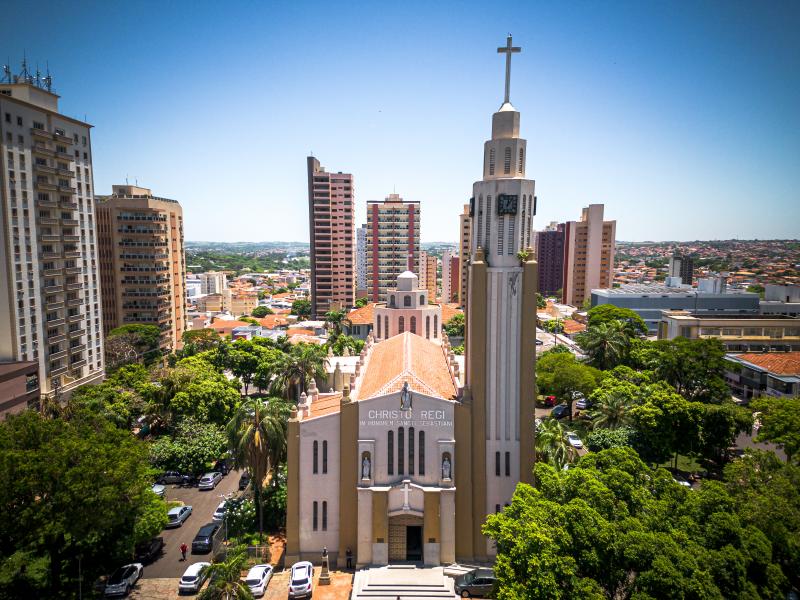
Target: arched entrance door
{"type": "Point", "coordinates": [405, 538]}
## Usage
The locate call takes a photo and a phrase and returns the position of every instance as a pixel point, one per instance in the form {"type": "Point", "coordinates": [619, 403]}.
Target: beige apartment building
{"type": "Point", "coordinates": [142, 262]}
{"type": "Point", "coordinates": [50, 298]}
{"type": "Point", "coordinates": [392, 243]}
{"type": "Point", "coordinates": [738, 333]}
{"type": "Point", "coordinates": [331, 225]}
{"type": "Point", "coordinates": [464, 235]}
{"type": "Point", "coordinates": [589, 248]}
{"type": "Point", "coordinates": [428, 267]}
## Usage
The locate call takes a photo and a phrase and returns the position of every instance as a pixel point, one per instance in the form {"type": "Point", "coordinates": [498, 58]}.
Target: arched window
{"type": "Point", "coordinates": [386, 326]}
{"type": "Point", "coordinates": [390, 453]}
{"type": "Point", "coordinates": [410, 450]}
{"type": "Point", "coordinates": [401, 325]}
{"type": "Point", "coordinates": [413, 324]}
{"type": "Point", "coordinates": [507, 161]}
{"type": "Point", "coordinates": [324, 456]}
{"type": "Point", "coordinates": [401, 448]}
{"type": "Point", "coordinates": [324, 515]}
{"type": "Point", "coordinates": [422, 453]}
{"type": "Point", "coordinates": [406, 300]}
{"type": "Point", "coordinates": [422, 300]}
{"type": "Point", "coordinates": [314, 516]}
{"type": "Point", "coordinates": [435, 326]}
{"type": "Point", "coordinates": [391, 301]}
{"type": "Point", "coordinates": [521, 161]}
{"type": "Point", "coordinates": [491, 161]}
{"type": "Point", "coordinates": [315, 458]}
{"type": "Point", "coordinates": [428, 327]}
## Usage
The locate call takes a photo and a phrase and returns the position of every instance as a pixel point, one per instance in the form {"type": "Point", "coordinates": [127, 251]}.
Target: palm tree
{"type": "Point", "coordinates": [334, 320]}
{"type": "Point", "coordinates": [610, 411]}
{"type": "Point", "coordinates": [257, 440]}
{"type": "Point", "coordinates": [226, 578]}
{"type": "Point", "coordinates": [606, 344]}
{"type": "Point", "coordinates": [552, 446]}
{"type": "Point", "coordinates": [297, 368]}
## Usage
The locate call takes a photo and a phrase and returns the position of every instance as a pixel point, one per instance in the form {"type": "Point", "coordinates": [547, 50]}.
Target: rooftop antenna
{"type": "Point", "coordinates": [7, 72]}
{"type": "Point", "coordinates": [126, 179]}
{"type": "Point", "coordinates": [48, 81]}
{"type": "Point", "coordinates": [24, 75]}
{"type": "Point", "coordinates": [38, 78]}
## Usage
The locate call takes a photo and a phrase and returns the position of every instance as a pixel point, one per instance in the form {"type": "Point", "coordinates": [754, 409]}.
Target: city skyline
{"type": "Point", "coordinates": [622, 106]}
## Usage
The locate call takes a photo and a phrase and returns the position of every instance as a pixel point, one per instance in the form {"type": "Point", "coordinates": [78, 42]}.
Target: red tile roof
{"type": "Point", "coordinates": [778, 363]}
{"type": "Point", "coordinates": [273, 321]}
{"type": "Point", "coordinates": [363, 315]}
{"type": "Point", "coordinates": [449, 311]}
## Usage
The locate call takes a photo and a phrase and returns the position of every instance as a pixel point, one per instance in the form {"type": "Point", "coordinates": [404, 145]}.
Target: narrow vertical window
{"type": "Point", "coordinates": [480, 221]}
{"type": "Point", "coordinates": [422, 453]}
{"type": "Point", "coordinates": [315, 461]}
{"type": "Point", "coordinates": [410, 450]}
{"type": "Point", "coordinates": [390, 453]}
{"type": "Point", "coordinates": [379, 327]}
{"type": "Point", "coordinates": [522, 240]}
{"type": "Point", "coordinates": [314, 516]}
{"type": "Point", "coordinates": [401, 325]}
{"type": "Point", "coordinates": [486, 230]}
{"type": "Point", "coordinates": [325, 456]}
{"type": "Point", "coordinates": [401, 451]}
{"type": "Point", "coordinates": [507, 162]}
{"type": "Point", "coordinates": [497, 464]}
{"type": "Point", "coordinates": [521, 161]}
{"type": "Point", "coordinates": [435, 326]}
{"type": "Point", "coordinates": [325, 515]}
{"type": "Point", "coordinates": [428, 327]}
{"type": "Point", "coordinates": [413, 324]}
{"type": "Point", "coordinates": [511, 223]}
{"type": "Point", "coordinates": [508, 464]}
{"type": "Point", "coordinates": [386, 327]}
{"type": "Point", "coordinates": [491, 161]}
{"type": "Point", "coordinates": [501, 231]}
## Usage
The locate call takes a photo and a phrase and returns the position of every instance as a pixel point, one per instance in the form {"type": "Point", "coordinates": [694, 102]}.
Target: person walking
{"type": "Point", "coordinates": [349, 555]}
{"type": "Point", "coordinates": [184, 549]}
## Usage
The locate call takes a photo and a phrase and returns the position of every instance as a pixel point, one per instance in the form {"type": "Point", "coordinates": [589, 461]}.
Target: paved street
{"type": "Point", "coordinates": [203, 504]}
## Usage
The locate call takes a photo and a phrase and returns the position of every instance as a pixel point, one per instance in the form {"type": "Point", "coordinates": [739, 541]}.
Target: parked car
{"type": "Point", "coordinates": [539, 342]}
{"type": "Point", "coordinates": [177, 515]}
{"type": "Point", "coordinates": [193, 578]}
{"type": "Point", "coordinates": [301, 581]}
{"type": "Point", "coordinates": [173, 477]}
{"type": "Point", "coordinates": [681, 481]}
{"type": "Point", "coordinates": [222, 466]}
{"type": "Point", "coordinates": [244, 480]}
{"type": "Point", "coordinates": [258, 578]}
{"type": "Point", "coordinates": [219, 513]}
{"type": "Point", "coordinates": [560, 411]}
{"type": "Point", "coordinates": [203, 542]}
{"type": "Point", "coordinates": [148, 551]}
{"type": "Point", "coordinates": [210, 480]}
{"type": "Point", "coordinates": [582, 404]}
{"type": "Point", "coordinates": [549, 400]}
{"type": "Point", "coordinates": [123, 579]}
{"type": "Point", "coordinates": [479, 582]}
{"type": "Point", "coordinates": [159, 489]}
{"type": "Point", "coordinates": [574, 440]}
{"type": "Point", "coordinates": [537, 423]}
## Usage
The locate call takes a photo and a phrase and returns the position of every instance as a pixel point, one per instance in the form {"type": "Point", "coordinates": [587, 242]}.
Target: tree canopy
{"type": "Point", "coordinates": [455, 326]}
{"type": "Point", "coordinates": [261, 311]}
{"type": "Point", "coordinates": [301, 308]}
{"type": "Point", "coordinates": [607, 313]}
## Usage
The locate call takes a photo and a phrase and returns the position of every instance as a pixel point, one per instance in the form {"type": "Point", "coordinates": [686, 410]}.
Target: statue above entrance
{"type": "Point", "coordinates": [405, 397]}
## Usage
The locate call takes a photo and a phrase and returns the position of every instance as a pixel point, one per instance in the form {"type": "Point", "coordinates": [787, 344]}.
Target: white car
{"type": "Point", "coordinates": [581, 404]}
{"type": "Point", "coordinates": [219, 513]}
{"type": "Point", "coordinates": [159, 490]}
{"type": "Point", "coordinates": [258, 578]}
{"type": "Point", "coordinates": [193, 578]}
{"type": "Point", "coordinates": [123, 579]}
{"type": "Point", "coordinates": [209, 481]}
{"type": "Point", "coordinates": [177, 515]}
{"type": "Point", "coordinates": [301, 580]}
{"type": "Point", "coordinates": [574, 440]}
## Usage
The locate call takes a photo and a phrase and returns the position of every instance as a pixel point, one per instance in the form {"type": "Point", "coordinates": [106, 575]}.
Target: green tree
{"type": "Point", "coordinates": [244, 359]}
{"type": "Point", "coordinates": [225, 577]}
{"type": "Point", "coordinates": [301, 308]}
{"type": "Point", "coordinates": [334, 320]}
{"type": "Point", "coordinates": [257, 440]}
{"type": "Point", "coordinates": [339, 343]}
{"type": "Point", "coordinates": [552, 446]}
{"type": "Point", "coordinates": [607, 344]}
{"type": "Point", "coordinates": [720, 425]}
{"type": "Point", "coordinates": [553, 326]}
{"type": "Point", "coordinates": [455, 326]}
{"type": "Point", "coordinates": [604, 439]}
{"type": "Point", "coordinates": [608, 313]}
{"type": "Point", "coordinates": [540, 301]}
{"type": "Point", "coordinates": [694, 367]}
{"type": "Point", "coordinates": [199, 340]}
{"type": "Point", "coordinates": [190, 448]}
{"type": "Point", "coordinates": [297, 368]}
{"type": "Point", "coordinates": [362, 302]}
{"type": "Point", "coordinates": [261, 311]}
{"type": "Point", "coordinates": [143, 339]}
{"type": "Point", "coordinates": [69, 489]}
{"type": "Point", "coordinates": [610, 410]}
{"type": "Point", "coordinates": [572, 381]}
{"type": "Point", "coordinates": [780, 423]}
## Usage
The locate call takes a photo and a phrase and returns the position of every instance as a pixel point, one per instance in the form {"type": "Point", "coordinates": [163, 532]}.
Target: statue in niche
{"type": "Point", "coordinates": [365, 466]}
{"type": "Point", "coordinates": [446, 467]}
{"type": "Point", "coordinates": [405, 397]}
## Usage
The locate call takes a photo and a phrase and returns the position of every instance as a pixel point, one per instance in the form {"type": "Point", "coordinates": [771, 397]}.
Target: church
{"type": "Point", "coordinates": [404, 458]}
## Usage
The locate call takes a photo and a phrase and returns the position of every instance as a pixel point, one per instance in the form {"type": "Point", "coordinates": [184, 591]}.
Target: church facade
{"type": "Point", "coordinates": [405, 462]}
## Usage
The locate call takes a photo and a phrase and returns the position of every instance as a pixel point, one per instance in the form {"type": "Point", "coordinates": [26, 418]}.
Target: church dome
{"type": "Point", "coordinates": [406, 275]}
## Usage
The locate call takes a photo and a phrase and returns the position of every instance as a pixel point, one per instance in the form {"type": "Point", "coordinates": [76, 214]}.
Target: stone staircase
{"type": "Point", "coordinates": [402, 582]}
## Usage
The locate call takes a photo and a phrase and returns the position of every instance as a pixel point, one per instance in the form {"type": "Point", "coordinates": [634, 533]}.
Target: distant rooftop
{"type": "Point", "coordinates": [661, 290]}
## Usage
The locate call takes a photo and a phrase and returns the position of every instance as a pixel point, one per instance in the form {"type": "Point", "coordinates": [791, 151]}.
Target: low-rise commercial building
{"type": "Point", "coordinates": [738, 333]}
{"type": "Point", "coordinates": [19, 386]}
{"type": "Point", "coordinates": [769, 374]}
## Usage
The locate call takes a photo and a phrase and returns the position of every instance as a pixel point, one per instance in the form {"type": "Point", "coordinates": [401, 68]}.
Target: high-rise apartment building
{"type": "Point", "coordinates": [550, 256]}
{"type": "Point", "coordinates": [683, 267]}
{"type": "Point", "coordinates": [392, 243]}
{"type": "Point", "coordinates": [212, 282]}
{"type": "Point", "coordinates": [50, 309]}
{"type": "Point", "coordinates": [589, 248]}
{"type": "Point", "coordinates": [142, 262]}
{"type": "Point", "coordinates": [361, 262]}
{"type": "Point", "coordinates": [451, 276]}
{"type": "Point", "coordinates": [428, 271]}
{"type": "Point", "coordinates": [331, 226]}
{"type": "Point", "coordinates": [464, 232]}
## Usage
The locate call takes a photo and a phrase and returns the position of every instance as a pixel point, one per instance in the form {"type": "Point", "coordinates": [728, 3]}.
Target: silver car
{"type": "Point", "coordinates": [177, 515]}
{"type": "Point", "coordinates": [123, 579]}
{"type": "Point", "coordinates": [193, 578]}
{"type": "Point", "coordinates": [209, 481]}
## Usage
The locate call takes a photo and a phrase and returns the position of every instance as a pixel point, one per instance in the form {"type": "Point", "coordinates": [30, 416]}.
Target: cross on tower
{"type": "Point", "coordinates": [508, 50]}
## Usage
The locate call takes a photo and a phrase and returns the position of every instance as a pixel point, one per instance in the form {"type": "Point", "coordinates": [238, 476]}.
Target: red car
{"type": "Point", "coordinates": [549, 400]}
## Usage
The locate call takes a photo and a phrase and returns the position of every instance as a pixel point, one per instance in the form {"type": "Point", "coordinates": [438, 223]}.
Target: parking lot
{"type": "Point", "coordinates": [203, 503]}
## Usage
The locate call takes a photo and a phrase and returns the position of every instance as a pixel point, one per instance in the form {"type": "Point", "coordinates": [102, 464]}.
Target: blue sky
{"type": "Point", "coordinates": [681, 117]}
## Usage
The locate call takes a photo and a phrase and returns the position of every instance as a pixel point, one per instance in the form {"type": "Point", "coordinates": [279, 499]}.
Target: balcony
{"type": "Point", "coordinates": [41, 133]}
{"type": "Point", "coordinates": [54, 339]}
{"type": "Point", "coordinates": [67, 189]}
{"type": "Point", "coordinates": [45, 186]}
{"type": "Point", "coordinates": [74, 286]}
{"type": "Point", "coordinates": [65, 172]}
{"type": "Point", "coordinates": [58, 355]}
{"type": "Point", "coordinates": [54, 304]}
{"type": "Point", "coordinates": [77, 333]}
{"type": "Point", "coordinates": [69, 205]}
{"type": "Point", "coordinates": [51, 272]}
{"type": "Point", "coordinates": [71, 237]}
{"type": "Point", "coordinates": [43, 150]}
{"type": "Point", "coordinates": [49, 203]}
{"type": "Point", "coordinates": [69, 222]}
{"type": "Point", "coordinates": [57, 369]}
{"type": "Point", "coordinates": [37, 168]}
{"type": "Point", "coordinates": [55, 322]}
{"type": "Point", "coordinates": [78, 363]}
{"type": "Point", "coordinates": [62, 138]}
{"type": "Point", "coordinates": [50, 237]}
{"type": "Point", "coordinates": [160, 231]}
{"type": "Point", "coordinates": [49, 221]}
{"type": "Point", "coordinates": [75, 318]}
{"type": "Point", "coordinates": [73, 270]}
{"type": "Point", "coordinates": [53, 289]}
{"type": "Point", "coordinates": [75, 302]}
{"type": "Point", "coordinates": [72, 254]}
{"type": "Point", "coordinates": [63, 155]}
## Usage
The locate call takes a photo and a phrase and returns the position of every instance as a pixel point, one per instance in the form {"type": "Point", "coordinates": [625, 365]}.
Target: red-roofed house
{"type": "Point", "coordinates": [764, 374]}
